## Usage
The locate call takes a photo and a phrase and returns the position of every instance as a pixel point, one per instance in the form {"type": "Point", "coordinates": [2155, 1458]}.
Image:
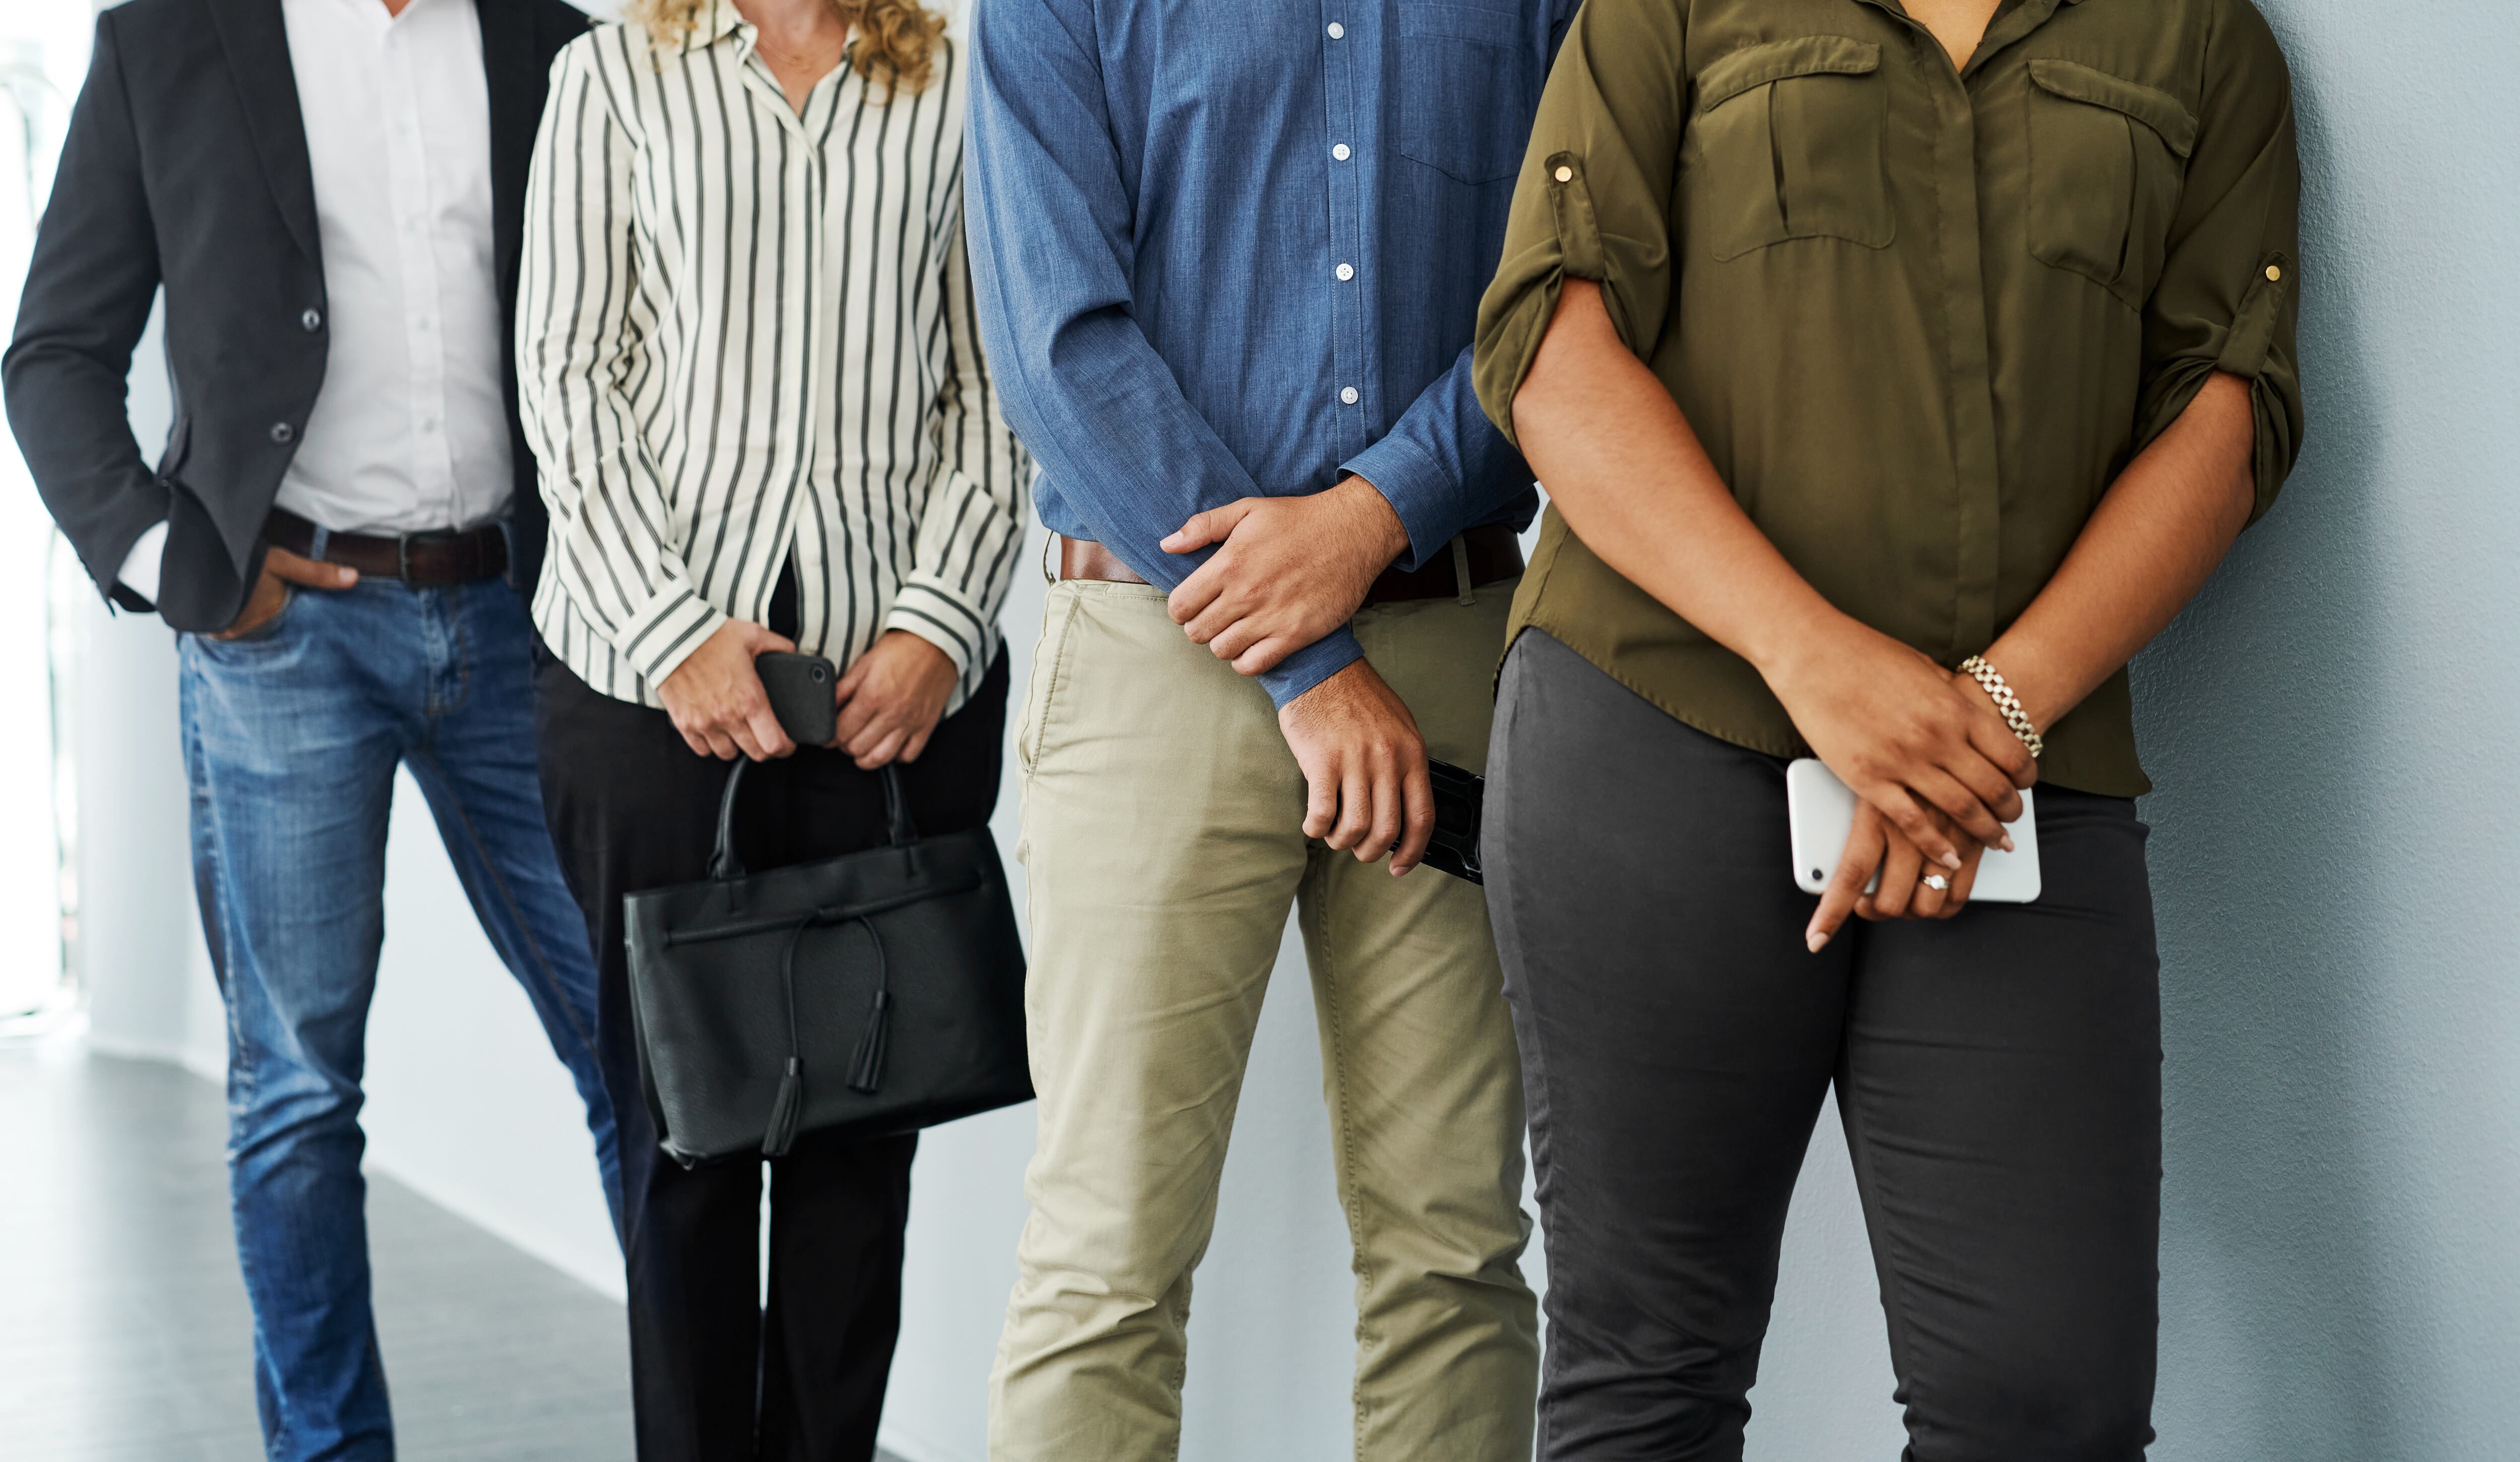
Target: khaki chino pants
{"type": "Point", "coordinates": [1162, 836]}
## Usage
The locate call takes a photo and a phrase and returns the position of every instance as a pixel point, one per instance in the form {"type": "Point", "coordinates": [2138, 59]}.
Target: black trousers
{"type": "Point", "coordinates": [713, 1375]}
{"type": "Point", "coordinates": [1999, 1077]}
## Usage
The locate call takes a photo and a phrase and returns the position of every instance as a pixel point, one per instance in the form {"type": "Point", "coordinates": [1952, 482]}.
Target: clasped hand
{"type": "Point", "coordinates": [1287, 571]}
{"type": "Point", "coordinates": [890, 698]}
{"type": "Point", "coordinates": [1937, 770]}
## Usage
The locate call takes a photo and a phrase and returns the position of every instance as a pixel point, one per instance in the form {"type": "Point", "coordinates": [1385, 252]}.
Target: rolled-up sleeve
{"type": "Point", "coordinates": [1593, 201]}
{"type": "Point", "coordinates": [2228, 296]}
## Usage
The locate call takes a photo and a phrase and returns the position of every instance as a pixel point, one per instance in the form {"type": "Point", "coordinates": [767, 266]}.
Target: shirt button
{"type": "Point", "coordinates": [2274, 274]}
{"type": "Point", "coordinates": [313, 320]}
{"type": "Point", "coordinates": [1347, 395]}
{"type": "Point", "coordinates": [1347, 271]}
{"type": "Point", "coordinates": [1340, 150]}
{"type": "Point", "coordinates": [1567, 174]}
{"type": "Point", "coordinates": [283, 432]}
{"type": "Point", "coordinates": [1337, 31]}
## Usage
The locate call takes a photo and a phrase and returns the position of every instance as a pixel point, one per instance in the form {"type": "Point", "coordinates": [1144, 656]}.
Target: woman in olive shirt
{"type": "Point", "coordinates": [1856, 343]}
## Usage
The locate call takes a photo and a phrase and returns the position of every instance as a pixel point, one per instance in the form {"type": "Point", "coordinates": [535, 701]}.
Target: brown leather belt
{"type": "Point", "coordinates": [1489, 555]}
{"type": "Point", "coordinates": [422, 561]}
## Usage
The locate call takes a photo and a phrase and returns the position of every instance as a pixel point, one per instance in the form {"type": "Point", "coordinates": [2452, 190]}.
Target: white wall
{"type": "Point", "coordinates": [2341, 1268]}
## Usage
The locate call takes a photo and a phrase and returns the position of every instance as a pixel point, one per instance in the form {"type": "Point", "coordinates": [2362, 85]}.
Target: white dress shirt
{"type": "Point", "coordinates": [409, 431]}
{"type": "Point", "coordinates": [745, 340]}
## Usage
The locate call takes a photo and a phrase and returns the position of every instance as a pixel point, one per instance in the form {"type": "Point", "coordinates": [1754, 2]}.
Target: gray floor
{"type": "Point", "coordinates": [123, 1330]}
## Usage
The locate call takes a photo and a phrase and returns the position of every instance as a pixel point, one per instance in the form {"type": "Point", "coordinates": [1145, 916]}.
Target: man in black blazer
{"type": "Point", "coordinates": [343, 526]}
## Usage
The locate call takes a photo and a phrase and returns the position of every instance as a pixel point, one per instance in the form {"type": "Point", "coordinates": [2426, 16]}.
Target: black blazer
{"type": "Point", "coordinates": [186, 165]}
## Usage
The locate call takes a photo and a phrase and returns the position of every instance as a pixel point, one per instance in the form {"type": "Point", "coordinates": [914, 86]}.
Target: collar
{"type": "Point", "coordinates": [716, 20]}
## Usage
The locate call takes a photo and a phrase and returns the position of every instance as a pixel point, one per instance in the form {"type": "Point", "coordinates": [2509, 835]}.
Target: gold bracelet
{"type": "Point", "coordinates": [1991, 680]}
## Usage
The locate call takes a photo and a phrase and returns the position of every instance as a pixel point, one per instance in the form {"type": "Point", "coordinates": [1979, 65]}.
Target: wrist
{"type": "Point", "coordinates": [1377, 523]}
{"type": "Point", "coordinates": [2035, 685]}
{"type": "Point", "coordinates": [1795, 648]}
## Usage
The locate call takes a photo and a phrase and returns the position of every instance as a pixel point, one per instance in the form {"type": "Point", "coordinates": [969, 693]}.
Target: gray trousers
{"type": "Point", "coordinates": [1998, 1075]}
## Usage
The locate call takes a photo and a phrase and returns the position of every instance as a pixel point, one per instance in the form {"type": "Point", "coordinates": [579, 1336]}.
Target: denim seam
{"type": "Point", "coordinates": [542, 966]}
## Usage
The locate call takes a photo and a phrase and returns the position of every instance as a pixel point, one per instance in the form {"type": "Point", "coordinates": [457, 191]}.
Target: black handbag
{"type": "Point", "coordinates": [858, 997]}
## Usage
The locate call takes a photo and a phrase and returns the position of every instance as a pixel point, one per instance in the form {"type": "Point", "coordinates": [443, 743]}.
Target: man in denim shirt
{"type": "Point", "coordinates": [1229, 261]}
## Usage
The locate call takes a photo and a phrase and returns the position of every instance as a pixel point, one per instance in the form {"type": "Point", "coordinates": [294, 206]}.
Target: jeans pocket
{"type": "Point", "coordinates": [1468, 86]}
{"type": "Point", "coordinates": [266, 632]}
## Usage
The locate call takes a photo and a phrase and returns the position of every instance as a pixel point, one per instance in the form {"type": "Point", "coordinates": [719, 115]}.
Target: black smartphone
{"type": "Point", "coordinates": [1460, 798]}
{"type": "Point", "coordinates": [804, 694]}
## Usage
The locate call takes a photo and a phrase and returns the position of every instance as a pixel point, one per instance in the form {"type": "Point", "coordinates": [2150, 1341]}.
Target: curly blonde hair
{"type": "Point", "coordinates": [896, 46]}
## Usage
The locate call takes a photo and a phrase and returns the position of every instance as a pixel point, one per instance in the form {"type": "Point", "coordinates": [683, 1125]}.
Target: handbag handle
{"type": "Point", "coordinates": [726, 866]}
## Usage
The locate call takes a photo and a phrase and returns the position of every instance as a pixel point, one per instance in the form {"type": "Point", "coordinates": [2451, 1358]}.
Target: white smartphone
{"type": "Point", "coordinates": [1820, 810]}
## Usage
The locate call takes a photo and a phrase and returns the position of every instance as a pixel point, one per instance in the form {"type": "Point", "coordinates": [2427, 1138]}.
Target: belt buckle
{"type": "Point", "coordinates": [402, 551]}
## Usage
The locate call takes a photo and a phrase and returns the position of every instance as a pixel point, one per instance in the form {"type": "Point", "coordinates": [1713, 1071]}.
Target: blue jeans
{"type": "Point", "coordinates": [290, 738]}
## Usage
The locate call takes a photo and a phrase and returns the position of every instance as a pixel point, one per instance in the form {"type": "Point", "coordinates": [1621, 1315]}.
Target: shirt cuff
{"type": "Point", "coordinates": [1425, 497]}
{"type": "Point", "coordinates": [1311, 665]}
{"type": "Point", "coordinates": [142, 565]}
{"type": "Point", "coordinates": [665, 631]}
{"type": "Point", "coordinates": [941, 620]}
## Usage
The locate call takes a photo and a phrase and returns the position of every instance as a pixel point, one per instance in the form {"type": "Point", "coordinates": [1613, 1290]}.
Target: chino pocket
{"type": "Point", "coordinates": [1789, 143]}
{"type": "Point", "coordinates": [1041, 687]}
{"type": "Point", "coordinates": [2107, 160]}
{"type": "Point", "coordinates": [1468, 88]}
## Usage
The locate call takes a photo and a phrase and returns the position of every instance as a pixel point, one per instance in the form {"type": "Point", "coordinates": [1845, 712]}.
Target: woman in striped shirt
{"type": "Point", "coordinates": [749, 369]}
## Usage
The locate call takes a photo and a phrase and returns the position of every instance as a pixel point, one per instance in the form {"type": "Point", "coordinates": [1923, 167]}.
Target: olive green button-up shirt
{"type": "Point", "coordinates": [1921, 317]}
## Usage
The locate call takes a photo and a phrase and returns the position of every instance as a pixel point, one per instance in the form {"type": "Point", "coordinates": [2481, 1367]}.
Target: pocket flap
{"type": "Point", "coordinates": [2157, 110]}
{"type": "Point", "coordinates": [1804, 55]}
{"type": "Point", "coordinates": [1469, 22]}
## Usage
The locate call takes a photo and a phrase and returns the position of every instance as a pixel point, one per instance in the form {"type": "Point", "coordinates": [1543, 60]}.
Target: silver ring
{"type": "Point", "coordinates": [1938, 882]}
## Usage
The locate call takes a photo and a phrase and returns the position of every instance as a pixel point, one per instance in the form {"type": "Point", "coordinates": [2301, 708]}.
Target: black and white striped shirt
{"type": "Point", "coordinates": [744, 334]}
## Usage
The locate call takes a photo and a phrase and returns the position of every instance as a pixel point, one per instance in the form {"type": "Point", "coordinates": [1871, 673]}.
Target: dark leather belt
{"type": "Point", "coordinates": [1493, 552]}
{"type": "Point", "coordinates": [421, 561]}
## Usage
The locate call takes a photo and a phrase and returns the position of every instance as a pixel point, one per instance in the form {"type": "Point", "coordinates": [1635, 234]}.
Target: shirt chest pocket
{"type": "Point", "coordinates": [2107, 159]}
{"type": "Point", "coordinates": [1787, 143]}
{"type": "Point", "coordinates": [1467, 86]}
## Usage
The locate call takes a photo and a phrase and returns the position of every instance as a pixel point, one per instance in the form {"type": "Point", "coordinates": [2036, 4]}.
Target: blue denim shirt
{"type": "Point", "coordinates": [1228, 249]}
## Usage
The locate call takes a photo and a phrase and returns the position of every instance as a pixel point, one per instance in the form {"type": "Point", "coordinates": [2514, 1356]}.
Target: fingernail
{"type": "Point", "coordinates": [1815, 940]}
{"type": "Point", "coordinates": [2007, 844]}
{"type": "Point", "coordinates": [1950, 860]}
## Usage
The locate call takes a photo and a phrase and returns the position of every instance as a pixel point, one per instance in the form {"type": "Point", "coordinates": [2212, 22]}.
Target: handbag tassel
{"type": "Point", "coordinates": [784, 1111]}
{"type": "Point", "coordinates": [865, 1071]}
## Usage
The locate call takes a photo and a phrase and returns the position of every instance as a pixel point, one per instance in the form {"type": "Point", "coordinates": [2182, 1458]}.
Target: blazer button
{"type": "Point", "coordinates": [313, 320]}
{"type": "Point", "coordinates": [283, 432]}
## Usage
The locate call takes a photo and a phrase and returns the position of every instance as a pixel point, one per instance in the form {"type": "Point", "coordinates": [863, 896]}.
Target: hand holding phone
{"type": "Point", "coordinates": [1819, 810]}
{"type": "Point", "coordinates": [803, 691]}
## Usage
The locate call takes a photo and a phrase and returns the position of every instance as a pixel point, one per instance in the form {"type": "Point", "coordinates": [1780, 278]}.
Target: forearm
{"type": "Point", "coordinates": [2157, 536]}
{"type": "Point", "coordinates": [1443, 467]}
{"type": "Point", "coordinates": [1644, 497]}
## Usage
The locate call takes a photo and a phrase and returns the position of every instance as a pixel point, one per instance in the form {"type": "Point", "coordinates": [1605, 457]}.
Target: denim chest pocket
{"type": "Point", "coordinates": [1788, 142]}
{"type": "Point", "coordinates": [2107, 162]}
{"type": "Point", "coordinates": [1467, 86]}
